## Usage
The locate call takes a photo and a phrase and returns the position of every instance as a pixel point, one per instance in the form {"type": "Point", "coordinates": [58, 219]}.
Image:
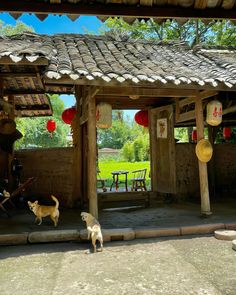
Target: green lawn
{"type": "Point", "coordinates": [106, 167]}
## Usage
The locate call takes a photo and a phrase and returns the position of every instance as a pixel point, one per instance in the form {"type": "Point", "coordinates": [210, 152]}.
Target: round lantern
{"type": "Point", "coordinates": [194, 135]}
{"type": "Point", "coordinates": [214, 113]}
{"type": "Point", "coordinates": [141, 118]}
{"type": "Point", "coordinates": [68, 115]}
{"type": "Point", "coordinates": [226, 133]}
{"type": "Point", "coordinates": [51, 126]}
{"type": "Point", "coordinates": [104, 115]}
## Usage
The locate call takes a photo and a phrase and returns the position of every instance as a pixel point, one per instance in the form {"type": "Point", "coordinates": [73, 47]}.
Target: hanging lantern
{"type": "Point", "coordinates": [141, 118]}
{"type": "Point", "coordinates": [214, 113]}
{"type": "Point", "coordinates": [104, 115]}
{"type": "Point", "coordinates": [51, 126]}
{"type": "Point", "coordinates": [68, 115]}
{"type": "Point", "coordinates": [226, 133]}
{"type": "Point", "coordinates": [194, 135]}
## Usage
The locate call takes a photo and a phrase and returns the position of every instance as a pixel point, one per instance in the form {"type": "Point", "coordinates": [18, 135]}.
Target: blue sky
{"type": "Point", "coordinates": [60, 24]}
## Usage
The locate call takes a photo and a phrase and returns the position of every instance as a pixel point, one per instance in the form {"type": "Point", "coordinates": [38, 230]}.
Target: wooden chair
{"type": "Point", "coordinates": [101, 181]}
{"type": "Point", "coordinates": [139, 180]}
{"type": "Point", "coordinates": [20, 189]}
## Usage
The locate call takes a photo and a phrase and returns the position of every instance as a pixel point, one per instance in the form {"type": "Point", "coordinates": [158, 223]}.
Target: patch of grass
{"type": "Point", "coordinates": [107, 167]}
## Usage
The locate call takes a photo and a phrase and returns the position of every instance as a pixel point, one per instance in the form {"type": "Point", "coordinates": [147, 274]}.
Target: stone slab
{"type": "Point", "coordinates": [14, 239]}
{"type": "Point", "coordinates": [142, 233]}
{"type": "Point", "coordinates": [230, 226]}
{"type": "Point", "coordinates": [234, 245]}
{"type": "Point", "coordinates": [53, 236]}
{"type": "Point", "coordinates": [125, 234]}
{"type": "Point", "coordinates": [227, 235]}
{"type": "Point", "coordinates": [201, 229]}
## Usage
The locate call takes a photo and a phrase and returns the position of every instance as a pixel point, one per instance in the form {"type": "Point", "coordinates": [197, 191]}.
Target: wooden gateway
{"type": "Point", "coordinates": [172, 81]}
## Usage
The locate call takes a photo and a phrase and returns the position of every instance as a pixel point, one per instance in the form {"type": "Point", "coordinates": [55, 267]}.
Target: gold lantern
{"type": "Point", "coordinates": [104, 115]}
{"type": "Point", "coordinates": [214, 113]}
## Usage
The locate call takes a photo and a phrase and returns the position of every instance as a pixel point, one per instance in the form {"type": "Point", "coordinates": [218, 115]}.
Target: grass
{"type": "Point", "coordinates": [106, 167]}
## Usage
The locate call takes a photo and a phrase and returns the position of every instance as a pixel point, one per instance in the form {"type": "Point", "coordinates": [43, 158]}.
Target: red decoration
{"type": "Point", "coordinates": [141, 118]}
{"type": "Point", "coordinates": [226, 133]}
{"type": "Point", "coordinates": [51, 126]}
{"type": "Point", "coordinates": [194, 135]}
{"type": "Point", "coordinates": [68, 115]}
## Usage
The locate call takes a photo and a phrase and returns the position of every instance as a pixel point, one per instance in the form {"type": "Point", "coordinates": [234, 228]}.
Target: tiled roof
{"type": "Point", "coordinates": [101, 57]}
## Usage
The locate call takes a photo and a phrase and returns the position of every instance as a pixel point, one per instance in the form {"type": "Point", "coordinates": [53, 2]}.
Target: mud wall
{"type": "Point", "coordinates": [53, 169]}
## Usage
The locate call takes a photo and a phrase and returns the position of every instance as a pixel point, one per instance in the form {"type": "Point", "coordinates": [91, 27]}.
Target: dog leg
{"type": "Point", "coordinates": [101, 244]}
{"type": "Point", "coordinates": [40, 220]}
{"type": "Point", "coordinates": [94, 244]}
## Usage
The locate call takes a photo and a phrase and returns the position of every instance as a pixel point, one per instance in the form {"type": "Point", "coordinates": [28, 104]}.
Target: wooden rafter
{"type": "Point", "coordinates": [38, 7]}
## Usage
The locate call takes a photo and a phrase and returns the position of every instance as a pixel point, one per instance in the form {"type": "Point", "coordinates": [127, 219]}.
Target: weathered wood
{"type": "Point", "coordinates": [153, 149]}
{"type": "Point", "coordinates": [203, 176]}
{"type": "Point", "coordinates": [186, 116]}
{"type": "Point", "coordinates": [77, 156]}
{"type": "Point", "coordinates": [95, 82]}
{"type": "Point", "coordinates": [92, 158]}
{"type": "Point", "coordinates": [211, 164]}
{"type": "Point", "coordinates": [163, 151]}
{"type": "Point", "coordinates": [231, 109]}
{"type": "Point", "coordinates": [97, 9]}
{"type": "Point", "coordinates": [147, 92]}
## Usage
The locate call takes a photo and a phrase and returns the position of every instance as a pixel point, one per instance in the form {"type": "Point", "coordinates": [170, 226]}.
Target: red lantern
{"type": "Point", "coordinates": [226, 133]}
{"type": "Point", "coordinates": [194, 135]}
{"type": "Point", "coordinates": [68, 115]}
{"type": "Point", "coordinates": [51, 126]}
{"type": "Point", "coordinates": [141, 118]}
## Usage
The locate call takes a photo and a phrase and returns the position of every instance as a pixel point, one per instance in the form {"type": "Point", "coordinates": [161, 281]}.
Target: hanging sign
{"type": "Point", "coordinates": [162, 128]}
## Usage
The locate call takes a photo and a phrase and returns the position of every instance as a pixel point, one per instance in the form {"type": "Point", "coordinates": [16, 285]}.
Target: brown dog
{"type": "Point", "coordinates": [93, 228]}
{"type": "Point", "coordinates": [41, 211]}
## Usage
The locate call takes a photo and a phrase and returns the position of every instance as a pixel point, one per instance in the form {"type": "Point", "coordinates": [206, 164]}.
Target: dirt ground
{"type": "Point", "coordinates": [171, 266]}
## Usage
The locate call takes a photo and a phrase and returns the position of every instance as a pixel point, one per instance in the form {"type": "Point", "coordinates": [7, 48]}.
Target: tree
{"type": "Point", "coordinates": [35, 133]}
{"type": "Point", "coordinates": [193, 31]}
{"type": "Point", "coordinates": [9, 30]}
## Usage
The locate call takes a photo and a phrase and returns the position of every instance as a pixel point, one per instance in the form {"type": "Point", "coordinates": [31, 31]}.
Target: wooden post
{"type": "Point", "coordinates": [211, 166]}
{"type": "Point", "coordinates": [203, 176]}
{"type": "Point", "coordinates": [77, 155]}
{"type": "Point", "coordinates": [92, 157]}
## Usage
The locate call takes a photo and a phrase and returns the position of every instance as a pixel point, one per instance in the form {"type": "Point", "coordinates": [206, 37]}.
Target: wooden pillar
{"type": "Point", "coordinates": [203, 175]}
{"type": "Point", "coordinates": [77, 156]}
{"type": "Point", "coordinates": [92, 157]}
{"type": "Point", "coordinates": [211, 166]}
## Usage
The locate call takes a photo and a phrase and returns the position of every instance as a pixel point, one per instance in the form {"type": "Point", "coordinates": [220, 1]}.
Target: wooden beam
{"type": "Point", "coordinates": [156, 85]}
{"type": "Point", "coordinates": [231, 109]}
{"type": "Point", "coordinates": [92, 158]}
{"type": "Point", "coordinates": [142, 91]}
{"type": "Point", "coordinates": [203, 176]}
{"type": "Point", "coordinates": [186, 116]}
{"type": "Point", "coordinates": [37, 7]}
{"type": "Point", "coordinates": [17, 75]}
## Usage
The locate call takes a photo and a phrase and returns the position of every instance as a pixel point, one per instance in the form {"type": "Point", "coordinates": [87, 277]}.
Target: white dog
{"type": "Point", "coordinates": [93, 228]}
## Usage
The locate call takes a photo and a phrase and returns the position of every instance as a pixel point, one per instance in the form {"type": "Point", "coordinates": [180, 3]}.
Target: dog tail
{"type": "Point", "coordinates": [56, 201]}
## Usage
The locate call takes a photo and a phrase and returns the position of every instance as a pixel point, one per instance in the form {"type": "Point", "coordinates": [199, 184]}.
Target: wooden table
{"type": "Point", "coordinates": [116, 181]}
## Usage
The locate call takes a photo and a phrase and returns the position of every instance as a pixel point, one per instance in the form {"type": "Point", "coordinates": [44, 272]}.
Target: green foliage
{"type": "Point", "coordinates": [192, 32]}
{"type": "Point", "coordinates": [128, 151]}
{"type": "Point", "coordinates": [9, 30]}
{"type": "Point", "coordinates": [35, 133]}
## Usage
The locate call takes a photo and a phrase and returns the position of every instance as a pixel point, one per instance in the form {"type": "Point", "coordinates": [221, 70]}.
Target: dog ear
{"type": "Point", "coordinates": [36, 202]}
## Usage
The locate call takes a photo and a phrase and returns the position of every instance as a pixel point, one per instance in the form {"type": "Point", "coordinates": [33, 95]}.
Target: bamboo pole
{"type": "Point", "coordinates": [92, 156]}
{"type": "Point", "coordinates": [203, 175]}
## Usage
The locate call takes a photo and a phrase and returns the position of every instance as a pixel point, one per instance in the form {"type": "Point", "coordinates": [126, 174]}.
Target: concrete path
{"type": "Point", "coordinates": [184, 266]}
